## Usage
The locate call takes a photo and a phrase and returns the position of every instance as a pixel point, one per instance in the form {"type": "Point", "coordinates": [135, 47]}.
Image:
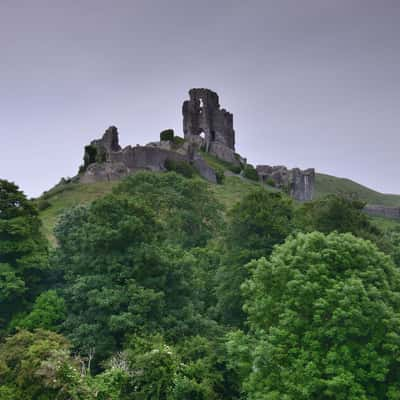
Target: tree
{"type": "Point", "coordinates": [38, 366]}
{"type": "Point", "coordinates": [337, 213]}
{"type": "Point", "coordinates": [324, 316]}
{"type": "Point", "coordinates": [122, 275]}
{"type": "Point", "coordinates": [256, 224]}
{"type": "Point", "coordinates": [23, 252]}
{"type": "Point", "coordinates": [48, 313]}
{"type": "Point", "coordinates": [186, 209]}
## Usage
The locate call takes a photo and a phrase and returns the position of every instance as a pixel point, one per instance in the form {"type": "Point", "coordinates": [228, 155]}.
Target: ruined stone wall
{"type": "Point", "coordinates": [382, 211]}
{"type": "Point", "coordinates": [299, 183]}
{"type": "Point", "coordinates": [202, 115]}
{"type": "Point", "coordinates": [121, 162]}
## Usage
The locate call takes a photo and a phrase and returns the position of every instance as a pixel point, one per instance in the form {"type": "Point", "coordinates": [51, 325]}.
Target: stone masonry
{"type": "Point", "coordinates": [206, 123]}
{"type": "Point", "coordinates": [298, 183]}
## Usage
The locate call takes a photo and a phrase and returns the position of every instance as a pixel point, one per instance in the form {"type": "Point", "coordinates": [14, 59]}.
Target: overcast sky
{"type": "Point", "coordinates": [311, 83]}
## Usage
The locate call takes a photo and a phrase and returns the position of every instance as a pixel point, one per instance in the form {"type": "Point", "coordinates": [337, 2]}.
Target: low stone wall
{"type": "Point", "coordinates": [382, 211]}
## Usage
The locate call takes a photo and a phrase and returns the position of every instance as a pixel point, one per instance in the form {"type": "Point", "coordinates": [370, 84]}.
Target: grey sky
{"type": "Point", "coordinates": [311, 83]}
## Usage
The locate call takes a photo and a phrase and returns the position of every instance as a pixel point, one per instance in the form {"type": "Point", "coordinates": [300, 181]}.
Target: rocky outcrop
{"type": "Point", "coordinates": [298, 183]}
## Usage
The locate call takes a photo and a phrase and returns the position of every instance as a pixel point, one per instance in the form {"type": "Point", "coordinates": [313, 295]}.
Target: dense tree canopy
{"type": "Point", "coordinates": [23, 252]}
{"type": "Point", "coordinates": [155, 292]}
{"type": "Point", "coordinates": [256, 224]}
{"type": "Point", "coordinates": [324, 323]}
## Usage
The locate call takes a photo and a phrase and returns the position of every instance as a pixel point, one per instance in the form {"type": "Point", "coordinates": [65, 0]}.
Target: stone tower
{"type": "Point", "coordinates": [204, 120]}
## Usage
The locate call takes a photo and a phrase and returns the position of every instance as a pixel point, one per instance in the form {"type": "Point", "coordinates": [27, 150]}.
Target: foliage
{"type": "Point", "coordinates": [250, 172]}
{"type": "Point", "coordinates": [48, 313]}
{"type": "Point", "coordinates": [337, 213]}
{"type": "Point", "coordinates": [256, 224]}
{"type": "Point", "coordinates": [220, 175]}
{"type": "Point", "coordinates": [180, 167]}
{"type": "Point", "coordinates": [23, 252]}
{"type": "Point", "coordinates": [38, 366]}
{"type": "Point", "coordinates": [270, 181]}
{"type": "Point", "coordinates": [186, 208]}
{"type": "Point", "coordinates": [90, 155]}
{"type": "Point", "coordinates": [43, 204]}
{"type": "Point", "coordinates": [323, 314]}
{"type": "Point", "coordinates": [167, 135]}
{"type": "Point", "coordinates": [122, 275]}
{"type": "Point", "coordinates": [178, 141]}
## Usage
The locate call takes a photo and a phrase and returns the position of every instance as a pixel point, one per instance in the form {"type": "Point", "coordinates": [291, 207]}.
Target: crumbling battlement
{"type": "Point", "coordinates": [105, 160]}
{"type": "Point", "coordinates": [299, 183]}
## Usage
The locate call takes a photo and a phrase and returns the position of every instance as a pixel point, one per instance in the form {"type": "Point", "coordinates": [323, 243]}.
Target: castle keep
{"type": "Point", "coordinates": [207, 128]}
{"type": "Point", "coordinates": [204, 121]}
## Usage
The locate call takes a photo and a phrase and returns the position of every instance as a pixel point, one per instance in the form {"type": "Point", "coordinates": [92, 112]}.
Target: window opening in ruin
{"type": "Point", "coordinates": [212, 136]}
{"type": "Point", "coordinates": [202, 135]}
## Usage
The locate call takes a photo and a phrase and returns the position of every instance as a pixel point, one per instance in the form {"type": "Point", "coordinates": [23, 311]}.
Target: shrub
{"type": "Point", "coordinates": [236, 169]}
{"type": "Point", "coordinates": [220, 175]}
{"type": "Point", "coordinates": [177, 140]}
{"type": "Point", "coordinates": [250, 172]}
{"type": "Point", "coordinates": [270, 181]}
{"type": "Point", "coordinates": [90, 155]}
{"type": "Point", "coordinates": [167, 134]}
{"type": "Point", "coordinates": [43, 204]}
{"type": "Point", "coordinates": [180, 167]}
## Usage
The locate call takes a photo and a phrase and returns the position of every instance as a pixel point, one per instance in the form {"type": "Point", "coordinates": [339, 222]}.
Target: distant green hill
{"type": "Point", "coordinates": [327, 184]}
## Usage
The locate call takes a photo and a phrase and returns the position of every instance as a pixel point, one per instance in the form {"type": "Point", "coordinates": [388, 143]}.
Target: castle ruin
{"type": "Point", "coordinates": [207, 128]}
{"type": "Point", "coordinates": [206, 123]}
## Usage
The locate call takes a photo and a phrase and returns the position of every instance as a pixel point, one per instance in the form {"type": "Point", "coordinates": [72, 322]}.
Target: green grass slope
{"type": "Point", "coordinates": [327, 184]}
{"type": "Point", "coordinates": [64, 196]}
{"type": "Point", "coordinates": [68, 195]}
{"type": "Point", "coordinates": [233, 189]}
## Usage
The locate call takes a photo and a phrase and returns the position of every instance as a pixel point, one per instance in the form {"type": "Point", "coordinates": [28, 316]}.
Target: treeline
{"type": "Point", "coordinates": [154, 292]}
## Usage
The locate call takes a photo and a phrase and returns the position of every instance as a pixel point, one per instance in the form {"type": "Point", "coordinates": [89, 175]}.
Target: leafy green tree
{"type": "Point", "coordinates": [48, 312]}
{"type": "Point", "coordinates": [186, 208]}
{"type": "Point", "coordinates": [337, 213]}
{"type": "Point", "coordinates": [23, 252]}
{"type": "Point", "coordinates": [324, 316]}
{"type": "Point", "coordinates": [203, 373]}
{"type": "Point", "coordinates": [256, 224]}
{"type": "Point", "coordinates": [38, 366]}
{"type": "Point", "coordinates": [122, 275]}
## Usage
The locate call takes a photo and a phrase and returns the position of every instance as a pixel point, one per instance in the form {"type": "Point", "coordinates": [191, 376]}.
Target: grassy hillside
{"type": "Point", "coordinates": [327, 184]}
{"type": "Point", "coordinates": [64, 196]}
{"type": "Point", "coordinates": [231, 191]}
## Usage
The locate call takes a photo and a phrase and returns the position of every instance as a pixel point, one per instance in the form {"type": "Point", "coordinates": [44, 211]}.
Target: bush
{"type": "Point", "coordinates": [90, 155]}
{"type": "Point", "coordinates": [220, 175]}
{"type": "Point", "coordinates": [180, 167]}
{"type": "Point", "coordinates": [250, 172]}
{"type": "Point", "coordinates": [167, 135]}
{"type": "Point", "coordinates": [177, 140]}
{"type": "Point", "coordinates": [236, 169]}
{"type": "Point", "coordinates": [270, 181]}
{"type": "Point", "coordinates": [43, 204]}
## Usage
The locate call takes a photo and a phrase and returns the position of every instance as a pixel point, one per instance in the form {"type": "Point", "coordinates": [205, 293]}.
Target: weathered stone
{"type": "Point", "coordinates": [203, 118]}
{"type": "Point", "coordinates": [302, 184]}
{"type": "Point", "coordinates": [299, 184]}
{"type": "Point", "coordinates": [382, 211]}
{"type": "Point", "coordinates": [119, 162]}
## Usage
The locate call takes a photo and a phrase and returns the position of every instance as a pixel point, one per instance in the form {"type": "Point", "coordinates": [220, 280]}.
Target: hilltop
{"type": "Point", "coordinates": [207, 149]}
